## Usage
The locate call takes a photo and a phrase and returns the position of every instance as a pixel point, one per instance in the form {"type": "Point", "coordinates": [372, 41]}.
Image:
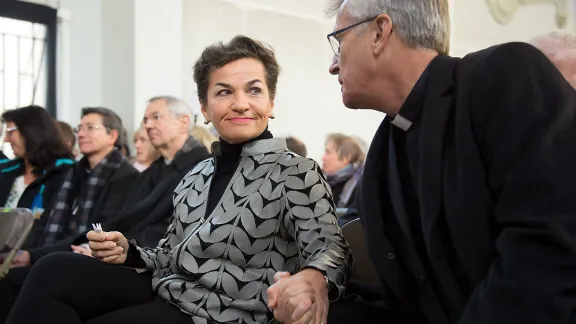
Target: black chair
{"type": "Point", "coordinates": [363, 269]}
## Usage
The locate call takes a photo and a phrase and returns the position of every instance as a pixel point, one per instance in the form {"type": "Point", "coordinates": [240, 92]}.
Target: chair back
{"type": "Point", "coordinates": [363, 269]}
{"type": "Point", "coordinates": [15, 225]}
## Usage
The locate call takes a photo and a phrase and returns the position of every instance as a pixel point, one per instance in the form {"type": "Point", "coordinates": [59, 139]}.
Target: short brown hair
{"type": "Point", "coordinates": [296, 146]}
{"type": "Point", "coordinates": [67, 134]}
{"type": "Point", "coordinates": [216, 56]}
{"type": "Point", "coordinates": [346, 147]}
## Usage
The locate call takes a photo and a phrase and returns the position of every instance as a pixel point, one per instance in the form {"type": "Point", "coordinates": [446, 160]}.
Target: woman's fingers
{"type": "Point", "coordinates": [101, 254]}
{"type": "Point", "coordinates": [98, 246]}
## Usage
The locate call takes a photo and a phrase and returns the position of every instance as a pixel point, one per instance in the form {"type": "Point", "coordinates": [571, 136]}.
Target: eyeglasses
{"type": "Point", "coordinates": [88, 128]}
{"type": "Point", "coordinates": [10, 130]}
{"type": "Point", "coordinates": [153, 118]}
{"type": "Point", "coordinates": [335, 41]}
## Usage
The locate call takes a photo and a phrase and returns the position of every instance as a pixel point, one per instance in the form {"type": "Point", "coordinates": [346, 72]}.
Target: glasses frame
{"type": "Point", "coordinates": [333, 35]}
{"type": "Point", "coordinates": [90, 128]}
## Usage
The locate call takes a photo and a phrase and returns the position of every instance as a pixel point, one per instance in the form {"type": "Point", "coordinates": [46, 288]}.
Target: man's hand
{"type": "Point", "coordinates": [20, 259]}
{"type": "Point", "coordinates": [299, 299]}
{"type": "Point", "coordinates": [81, 250]}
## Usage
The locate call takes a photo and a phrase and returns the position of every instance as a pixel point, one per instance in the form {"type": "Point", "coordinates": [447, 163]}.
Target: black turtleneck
{"type": "Point", "coordinates": [227, 161]}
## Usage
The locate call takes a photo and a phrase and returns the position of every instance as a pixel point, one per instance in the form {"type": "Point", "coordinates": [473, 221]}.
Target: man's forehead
{"type": "Point", "coordinates": [156, 106]}
{"type": "Point", "coordinates": [92, 118]}
{"type": "Point", "coordinates": [343, 18]}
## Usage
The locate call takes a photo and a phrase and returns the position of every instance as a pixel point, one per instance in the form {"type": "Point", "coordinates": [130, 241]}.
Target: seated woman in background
{"type": "Point", "coordinates": [203, 135]}
{"type": "Point", "coordinates": [343, 162]}
{"type": "Point", "coordinates": [69, 136]}
{"type": "Point", "coordinates": [252, 215]}
{"type": "Point", "coordinates": [42, 159]}
{"type": "Point", "coordinates": [146, 154]}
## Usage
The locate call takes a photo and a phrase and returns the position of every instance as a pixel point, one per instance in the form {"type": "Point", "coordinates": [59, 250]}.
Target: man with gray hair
{"type": "Point", "coordinates": [561, 50]}
{"type": "Point", "coordinates": [467, 195]}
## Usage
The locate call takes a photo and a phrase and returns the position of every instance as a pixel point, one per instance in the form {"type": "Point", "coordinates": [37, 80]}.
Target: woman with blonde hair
{"type": "Point", "coordinates": [146, 154]}
{"type": "Point", "coordinates": [203, 136]}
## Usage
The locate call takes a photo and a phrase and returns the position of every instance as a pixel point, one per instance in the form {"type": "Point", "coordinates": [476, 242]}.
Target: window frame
{"type": "Point", "coordinates": [47, 16]}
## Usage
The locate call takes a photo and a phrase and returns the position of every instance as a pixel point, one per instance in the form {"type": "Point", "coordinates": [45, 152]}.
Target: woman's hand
{"type": "Point", "coordinates": [81, 250]}
{"type": "Point", "coordinates": [109, 247]}
{"type": "Point", "coordinates": [299, 299]}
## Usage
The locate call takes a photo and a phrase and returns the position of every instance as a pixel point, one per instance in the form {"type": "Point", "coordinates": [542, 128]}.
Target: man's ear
{"type": "Point", "coordinates": [381, 37]}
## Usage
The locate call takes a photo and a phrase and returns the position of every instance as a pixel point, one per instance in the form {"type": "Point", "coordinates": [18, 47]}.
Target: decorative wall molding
{"type": "Point", "coordinates": [503, 10]}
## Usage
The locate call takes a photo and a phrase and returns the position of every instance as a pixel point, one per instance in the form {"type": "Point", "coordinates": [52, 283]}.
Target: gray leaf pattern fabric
{"type": "Point", "coordinates": [276, 214]}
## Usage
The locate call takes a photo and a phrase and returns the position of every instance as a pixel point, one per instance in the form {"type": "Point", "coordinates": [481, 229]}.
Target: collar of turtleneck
{"type": "Point", "coordinates": [233, 151]}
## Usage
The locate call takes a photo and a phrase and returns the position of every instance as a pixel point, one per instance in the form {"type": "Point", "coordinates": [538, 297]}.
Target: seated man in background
{"type": "Point", "coordinates": [146, 213]}
{"type": "Point", "coordinates": [297, 146]}
{"type": "Point", "coordinates": [92, 191]}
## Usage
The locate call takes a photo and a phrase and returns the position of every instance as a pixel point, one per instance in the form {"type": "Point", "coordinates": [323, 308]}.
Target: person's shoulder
{"type": "Point", "coordinates": [300, 164]}
{"type": "Point", "coordinates": [506, 57]}
{"type": "Point", "coordinates": [9, 165]}
{"type": "Point", "coordinates": [126, 171]}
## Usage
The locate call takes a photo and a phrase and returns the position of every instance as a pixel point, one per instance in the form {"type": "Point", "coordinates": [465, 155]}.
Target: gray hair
{"type": "Point", "coordinates": [110, 120]}
{"type": "Point", "coordinates": [421, 24]}
{"type": "Point", "coordinates": [561, 50]}
{"type": "Point", "coordinates": [178, 107]}
{"type": "Point", "coordinates": [555, 42]}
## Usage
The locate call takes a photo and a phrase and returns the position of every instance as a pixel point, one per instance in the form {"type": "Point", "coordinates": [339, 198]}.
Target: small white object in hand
{"type": "Point", "coordinates": [97, 227]}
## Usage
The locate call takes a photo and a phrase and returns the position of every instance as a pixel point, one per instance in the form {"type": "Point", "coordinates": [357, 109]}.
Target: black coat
{"type": "Point", "coordinates": [497, 176]}
{"type": "Point", "coordinates": [147, 208]}
{"type": "Point", "coordinates": [110, 200]}
{"type": "Point", "coordinates": [50, 179]}
{"type": "Point", "coordinates": [146, 216]}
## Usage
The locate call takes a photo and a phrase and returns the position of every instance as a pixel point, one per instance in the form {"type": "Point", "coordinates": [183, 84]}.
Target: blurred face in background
{"type": "Point", "coordinates": [161, 125]}
{"type": "Point", "coordinates": [93, 137]}
{"type": "Point", "coordinates": [15, 140]}
{"type": "Point", "coordinates": [331, 162]}
{"type": "Point", "coordinates": [144, 148]}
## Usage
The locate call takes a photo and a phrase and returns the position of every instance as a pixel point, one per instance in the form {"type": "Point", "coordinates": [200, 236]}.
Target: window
{"type": "Point", "coordinates": [22, 63]}
{"type": "Point", "coordinates": [27, 56]}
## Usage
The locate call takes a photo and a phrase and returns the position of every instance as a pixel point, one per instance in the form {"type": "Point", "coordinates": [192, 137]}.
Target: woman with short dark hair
{"type": "Point", "coordinates": [253, 235]}
{"type": "Point", "coordinates": [31, 178]}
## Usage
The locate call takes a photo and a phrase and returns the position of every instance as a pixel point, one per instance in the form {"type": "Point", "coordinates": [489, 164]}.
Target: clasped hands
{"type": "Point", "coordinates": [299, 299]}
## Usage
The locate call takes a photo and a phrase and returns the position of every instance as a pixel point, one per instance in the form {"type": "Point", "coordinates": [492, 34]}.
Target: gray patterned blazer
{"type": "Point", "coordinates": [276, 214]}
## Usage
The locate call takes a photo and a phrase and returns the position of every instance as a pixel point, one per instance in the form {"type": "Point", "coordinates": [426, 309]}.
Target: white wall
{"type": "Point", "coordinates": [473, 27]}
{"type": "Point", "coordinates": [308, 102]}
{"type": "Point", "coordinates": [85, 58]}
{"type": "Point", "coordinates": [122, 52]}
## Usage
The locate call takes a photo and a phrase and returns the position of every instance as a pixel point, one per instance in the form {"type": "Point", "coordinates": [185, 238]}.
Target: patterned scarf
{"type": "Point", "coordinates": [70, 214]}
{"type": "Point", "coordinates": [349, 174]}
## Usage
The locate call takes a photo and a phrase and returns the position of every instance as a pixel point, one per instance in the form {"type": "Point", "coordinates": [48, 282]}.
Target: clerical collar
{"type": "Point", "coordinates": [411, 108]}
{"type": "Point", "coordinates": [233, 151]}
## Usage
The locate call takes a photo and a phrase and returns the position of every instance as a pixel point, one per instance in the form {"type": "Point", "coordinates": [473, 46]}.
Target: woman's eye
{"type": "Point", "coordinates": [255, 91]}
{"type": "Point", "coordinates": [223, 92]}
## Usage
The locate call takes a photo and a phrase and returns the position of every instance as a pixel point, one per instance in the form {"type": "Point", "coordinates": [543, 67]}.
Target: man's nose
{"type": "Point", "coordinates": [334, 68]}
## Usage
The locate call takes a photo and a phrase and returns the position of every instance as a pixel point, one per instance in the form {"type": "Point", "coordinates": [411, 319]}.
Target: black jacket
{"type": "Point", "coordinates": [47, 182]}
{"type": "Point", "coordinates": [148, 207]}
{"type": "Point", "coordinates": [495, 165]}
{"type": "Point", "coordinates": [109, 202]}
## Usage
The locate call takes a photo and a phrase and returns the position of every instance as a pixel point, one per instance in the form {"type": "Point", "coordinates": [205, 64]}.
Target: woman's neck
{"type": "Point", "coordinates": [29, 175]}
{"type": "Point", "coordinates": [228, 150]}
